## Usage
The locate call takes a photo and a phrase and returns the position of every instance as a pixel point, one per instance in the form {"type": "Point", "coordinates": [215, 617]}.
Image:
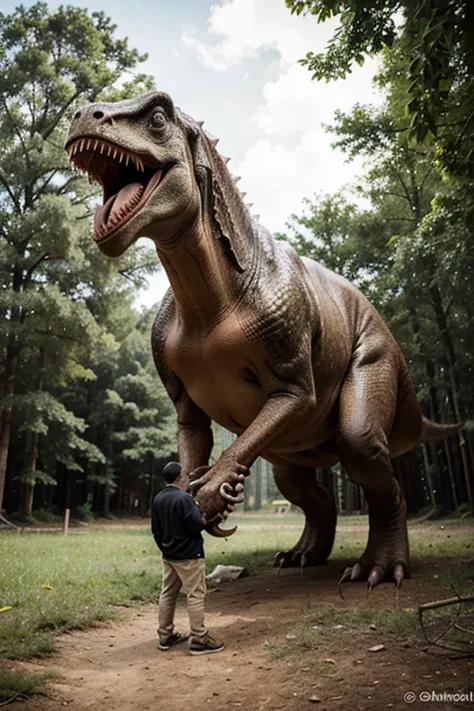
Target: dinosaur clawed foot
{"type": "Point", "coordinates": [375, 573]}
{"type": "Point", "coordinates": [297, 558]}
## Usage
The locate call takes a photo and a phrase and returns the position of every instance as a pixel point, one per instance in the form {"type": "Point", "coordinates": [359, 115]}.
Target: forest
{"type": "Point", "coordinates": [84, 420]}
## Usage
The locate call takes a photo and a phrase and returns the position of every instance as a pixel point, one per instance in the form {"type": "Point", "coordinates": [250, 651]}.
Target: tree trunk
{"type": "Point", "coordinates": [108, 466]}
{"type": "Point", "coordinates": [31, 457]}
{"type": "Point", "coordinates": [429, 478]}
{"type": "Point", "coordinates": [458, 402]}
{"type": "Point", "coordinates": [6, 417]}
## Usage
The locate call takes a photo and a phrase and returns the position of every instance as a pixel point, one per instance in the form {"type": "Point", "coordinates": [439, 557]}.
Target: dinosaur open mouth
{"type": "Point", "coordinates": [127, 180]}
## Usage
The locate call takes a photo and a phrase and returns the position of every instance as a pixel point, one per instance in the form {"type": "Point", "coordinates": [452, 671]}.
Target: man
{"type": "Point", "coordinates": [176, 524]}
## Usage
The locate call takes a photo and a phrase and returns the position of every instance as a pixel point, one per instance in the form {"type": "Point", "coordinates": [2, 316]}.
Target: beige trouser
{"type": "Point", "coordinates": [191, 576]}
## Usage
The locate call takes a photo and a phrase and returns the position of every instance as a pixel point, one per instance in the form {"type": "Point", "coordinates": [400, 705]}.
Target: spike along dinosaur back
{"type": "Point", "coordinates": [287, 355]}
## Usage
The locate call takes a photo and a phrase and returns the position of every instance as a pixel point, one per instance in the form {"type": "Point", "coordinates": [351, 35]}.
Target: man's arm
{"type": "Point", "coordinates": [192, 515]}
{"type": "Point", "coordinates": [155, 525]}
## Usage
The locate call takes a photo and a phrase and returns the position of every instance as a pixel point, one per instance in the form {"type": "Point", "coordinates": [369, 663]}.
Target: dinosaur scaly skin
{"type": "Point", "coordinates": [279, 350]}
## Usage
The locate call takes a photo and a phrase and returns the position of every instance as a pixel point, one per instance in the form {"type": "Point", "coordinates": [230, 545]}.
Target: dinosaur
{"type": "Point", "coordinates": [286, 354]}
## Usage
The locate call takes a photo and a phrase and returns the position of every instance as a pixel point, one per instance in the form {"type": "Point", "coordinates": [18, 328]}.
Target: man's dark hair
{"type": "Point", "coordinates": [171, 472]}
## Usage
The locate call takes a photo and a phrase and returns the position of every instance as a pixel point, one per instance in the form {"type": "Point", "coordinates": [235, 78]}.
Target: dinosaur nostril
{"type": "Point", "coordinates": [77, 114]}
{"type": "Point", "coordinates": [98, 114]}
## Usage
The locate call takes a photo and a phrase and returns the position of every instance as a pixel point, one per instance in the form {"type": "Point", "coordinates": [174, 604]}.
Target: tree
{"type": "Point", "coordinates": [49, 61]}
{"type": "Point", "coordinates": [435, 36]}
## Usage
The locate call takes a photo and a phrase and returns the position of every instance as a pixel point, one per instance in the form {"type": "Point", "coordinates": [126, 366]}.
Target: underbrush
{"type": "Point", "coordinates": [18, 685]}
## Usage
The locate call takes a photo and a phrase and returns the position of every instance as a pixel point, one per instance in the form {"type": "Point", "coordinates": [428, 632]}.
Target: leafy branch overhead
{"type": "Point", "coordinates": [436, 37]}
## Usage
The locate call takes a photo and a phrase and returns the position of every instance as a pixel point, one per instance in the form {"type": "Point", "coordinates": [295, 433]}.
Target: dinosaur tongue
{"type": "Point", "coordinates": [118, 205]}
{"type": "Point", "coordinates": [125, 199]}
{"type": "Point", "coordinates": [117, 208]}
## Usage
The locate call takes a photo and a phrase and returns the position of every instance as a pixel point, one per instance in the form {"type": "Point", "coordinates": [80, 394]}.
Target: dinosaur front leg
{"type": "Point", "coordinates": [234, 462]}
{"type": "Point", "coordinates": [298, 484]}
{"type": "Point", "coordinates": [368, 404]}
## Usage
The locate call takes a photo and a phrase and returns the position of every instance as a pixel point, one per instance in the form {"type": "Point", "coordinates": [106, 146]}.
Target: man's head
{"type": "Point", "coordinates": [172, 472]}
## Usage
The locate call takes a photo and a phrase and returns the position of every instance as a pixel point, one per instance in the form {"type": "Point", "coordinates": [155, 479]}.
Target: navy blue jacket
{"type": "Point", "coordinates": [176, 524]}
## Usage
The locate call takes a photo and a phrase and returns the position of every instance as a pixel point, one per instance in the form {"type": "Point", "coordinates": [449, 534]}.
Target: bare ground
{"type": "Point", "coordinates": [117, 666]}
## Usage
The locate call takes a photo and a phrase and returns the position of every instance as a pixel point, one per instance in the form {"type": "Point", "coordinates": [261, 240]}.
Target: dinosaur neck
{"type": "Point", "coordinates": [200, 274]}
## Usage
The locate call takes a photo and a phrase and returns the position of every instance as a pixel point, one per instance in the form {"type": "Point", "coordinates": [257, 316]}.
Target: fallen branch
{"type": "Point", "coordinates": [9, 523]}
{"type": "Point", "coordinates": [13, 698]}
{"type": "Point", "coordinates": [444, 603]}
{"type": "Point", "coordinates": [459, 600]}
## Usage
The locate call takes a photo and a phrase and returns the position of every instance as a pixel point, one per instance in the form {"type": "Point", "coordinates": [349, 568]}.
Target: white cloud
{"type": "Point", "coordinates": [205, 55]}
{"type": "Point", "coordinates": [294, 104]}
{"type": "Point", "coordinates": [276, 179]}
{"type": "Point", "coordinates": [242, 28]}
{"type": "Point", "coordinates": [292, 156]}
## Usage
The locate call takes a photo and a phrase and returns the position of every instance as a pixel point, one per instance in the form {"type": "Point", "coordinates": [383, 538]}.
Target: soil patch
{"type": "Point", "coordinates": [117, 666]}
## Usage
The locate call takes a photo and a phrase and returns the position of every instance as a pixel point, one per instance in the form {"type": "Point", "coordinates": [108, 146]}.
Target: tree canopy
{"type": "Point", "coordinates": [435, 37]}
{"type": "Point", "coordinates": [411, 247]}
{"type": "Point", "coordinates": [65, 310]}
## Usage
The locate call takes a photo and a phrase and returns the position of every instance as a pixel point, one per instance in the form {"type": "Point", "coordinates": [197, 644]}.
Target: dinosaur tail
{"type": "Point", "coordinates": [432, 430]}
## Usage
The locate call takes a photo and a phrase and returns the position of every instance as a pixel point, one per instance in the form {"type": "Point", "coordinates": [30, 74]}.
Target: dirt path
{"type": "Point", "coordinates": [117, 666]}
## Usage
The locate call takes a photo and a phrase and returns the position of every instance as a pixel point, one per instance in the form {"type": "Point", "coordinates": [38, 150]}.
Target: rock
{"type": "Point", "coordinates": [315, 699]}
{"type": "Point", "coordinates": [290, 636]}
{"type": "Point", "coordinates": [330, 661]}
{"type": "Point", "coordinates": [226, 574]}
{"type": "Point", "coordinates": [372, 627]}
{"type": "Point", "coordinates": [377, 648]}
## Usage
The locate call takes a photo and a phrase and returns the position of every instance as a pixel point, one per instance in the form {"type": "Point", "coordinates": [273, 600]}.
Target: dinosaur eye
{"type": "Point", "coordinates": [158, 119]}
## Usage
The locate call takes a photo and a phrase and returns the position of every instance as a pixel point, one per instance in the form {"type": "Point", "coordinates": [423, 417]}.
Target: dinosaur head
{"type": "Point", "coordinates": [159, 171]}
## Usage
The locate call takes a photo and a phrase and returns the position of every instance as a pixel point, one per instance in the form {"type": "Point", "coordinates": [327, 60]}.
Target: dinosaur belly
{"type": "Point", "coordinates": [224, 376]}
{"type": "Point", "coordinates": [216, 372]}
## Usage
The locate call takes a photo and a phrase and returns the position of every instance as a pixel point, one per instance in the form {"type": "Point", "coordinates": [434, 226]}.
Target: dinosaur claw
{"type": "Point", "coordinates": [375, 578]}
{"type": "Point", "coordinates": [356, 571]}
{"type": "Point", "coordinates": [303, 561]}
{"type": "Point", "coordinates": [345, 576]}
{"type": "Point", "coordinates": [398, 575]}
{"type": "Point", "coordinates": [280, 559]}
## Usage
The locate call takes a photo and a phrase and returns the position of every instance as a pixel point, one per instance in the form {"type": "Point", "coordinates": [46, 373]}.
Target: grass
{"type": "Point", "coordinates": [322, 624]}
{"type": "Point", "coordinates": [56, 583]}
{"type": "Point", "coordinates": [18, 685]}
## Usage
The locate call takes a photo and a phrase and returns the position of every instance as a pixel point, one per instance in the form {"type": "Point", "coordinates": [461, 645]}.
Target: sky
{"type": "Point", "coordinates": [234, 65]}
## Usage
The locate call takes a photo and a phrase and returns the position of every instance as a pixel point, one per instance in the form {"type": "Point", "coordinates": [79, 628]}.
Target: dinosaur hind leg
{"type": "Point", "coordinates": [369, 402]}
{"type": "Point", "coordinates": [298, 485]}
